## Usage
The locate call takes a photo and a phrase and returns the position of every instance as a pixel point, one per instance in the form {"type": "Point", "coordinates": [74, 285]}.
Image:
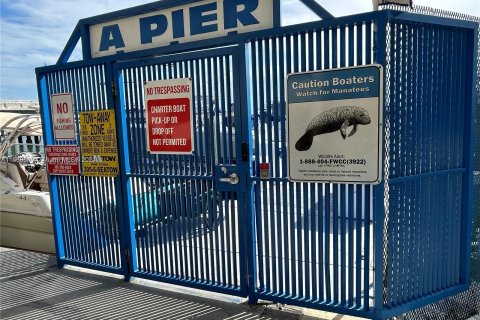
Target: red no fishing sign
{"type": "Point", "coordinates": [169, 116]}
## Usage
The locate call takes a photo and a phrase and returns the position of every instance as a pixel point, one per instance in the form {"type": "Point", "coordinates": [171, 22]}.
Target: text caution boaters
{"type": "Point", "coordinates": [98, 139]}
{"type": "Point", "coordinates": [334, 125]}
{"type": "Point", "coordinates": [169, 116]}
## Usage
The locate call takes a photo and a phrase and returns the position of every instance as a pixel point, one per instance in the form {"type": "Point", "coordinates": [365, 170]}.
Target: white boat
{"type": "Point", "coordinates": [25, 211]}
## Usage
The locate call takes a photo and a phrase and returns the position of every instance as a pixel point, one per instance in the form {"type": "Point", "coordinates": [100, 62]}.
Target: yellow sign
{"type": "Point", "coordinates": [98, 141]}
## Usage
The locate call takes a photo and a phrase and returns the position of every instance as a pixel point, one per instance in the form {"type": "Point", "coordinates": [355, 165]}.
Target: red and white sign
{"type": "Point", "coordinates": [63, 119]}
{"type": "Point", "coordinates": [169, 116]}
{"type": "Point", "coordinates": [63, 160]}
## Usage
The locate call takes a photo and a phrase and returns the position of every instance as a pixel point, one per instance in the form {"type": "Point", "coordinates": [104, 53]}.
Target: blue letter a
{"type": "Point", "coordinates": [111, 37]}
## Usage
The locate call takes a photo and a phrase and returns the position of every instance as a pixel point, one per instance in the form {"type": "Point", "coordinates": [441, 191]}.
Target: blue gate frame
{"type": "Point", "coordinates": [370, 251]}
{"type": "Point", "coordinates": [88, 228]}
{"type": "Point", "coordinates": [192, 215]}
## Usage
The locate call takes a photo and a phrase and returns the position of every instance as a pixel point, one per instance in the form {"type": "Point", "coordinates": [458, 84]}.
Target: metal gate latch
{"type": "Point", "coordinates": [232, 179]}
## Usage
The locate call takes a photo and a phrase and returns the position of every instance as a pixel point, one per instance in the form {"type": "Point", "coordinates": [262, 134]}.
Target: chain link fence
{"type": "Point", "coordinates": [466, 304]}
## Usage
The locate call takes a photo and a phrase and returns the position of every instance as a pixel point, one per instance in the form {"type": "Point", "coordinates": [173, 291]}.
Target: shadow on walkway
{"type": "Point", "coordinates": [31, 287]}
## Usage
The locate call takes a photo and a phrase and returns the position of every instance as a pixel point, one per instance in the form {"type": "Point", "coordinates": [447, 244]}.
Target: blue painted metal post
{"type": "Point", "coordinates": [246, 106]}
{"type": "Point", "coordinates": [85, 38]}
{"type": "Point", "coordinates": [44, 99]}
{"type": "Point", "coordinates": [380, 35]}
{"type": "Point", "coordinates": [123, 188]}
{"type": "Point", "coordinates": [468, 158]}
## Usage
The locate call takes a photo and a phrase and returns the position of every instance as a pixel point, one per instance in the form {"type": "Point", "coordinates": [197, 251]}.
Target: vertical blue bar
{"type": "Point", "coordinates": [298, 218]}
{"type": "Point", "coordinates": [351, 45]}
{"type": "Point", "coordinates": [451, 149]}
{"type": "Point", "coordinates": [450, 191]}
{"type": "Point", "coordinates": [336, 265]}
{"type": "Point", "coordinates": [436, 110]}
{"type": "Point", "coordinates": [458, 133]}
{"type": "Point", "coordinates": [283, 170]}
{"type": "Point", "coordinates": [126, 219]}
{"type": "Point", "coordinates": [334, 47]}
{"type": "Point", "coordinates": [326, 48]}
{"type": "Point", "coordinates": [414, 269]}
{"type": "Point", "coordinates": [320, 282]}
{"type": "Point", "coordinates": [327, 248]}
{"type": "Point", "coordinates": [342, 42]}
{"type": "Point", "coordinates": [277, 89]}
{"type": "Point", "coordinates": [304, 274]}
{"type": "Point", "coordinates": [335, 215]}
{"type": "Point", "coordinates": [468, 156]}
{"type": "Point", "coordinates": [407, 67]}
{"type": "Point", "coordinates": [270, 148]}
{"type": "Point", "coordinates": [351, 249]}
{"type": "Point", "coordinates": [246, 59]}
{"type": "Point", "coordinates": [378, 190]}
{"type": "Point", "coordinates": [241, 88]}
{"type": "Point", "coordinates": [220, 158]}
{"type": "Point", "coordinates": [343, 243]}
{"type": "Point", "coordinates": [209, 191]}
{"type": "Point", "coordinates": [52, 180]}
{"type": "Point", "coordinates": [360, 194]}
{"type": "Point", "coordinates": [444, 158]}
{"type": "Point", "coordinates": [263, 52]}
{"type": "Point", "coordinates": [256, 64]}
{"type": "Point", "coordinates": [366, 242]}
{"type": "Point", "coordinates": [416, 266]}
{"type": "Point", "coordinates": [430, 162]}
{"type": "Point", "coordinates": [85, 36]}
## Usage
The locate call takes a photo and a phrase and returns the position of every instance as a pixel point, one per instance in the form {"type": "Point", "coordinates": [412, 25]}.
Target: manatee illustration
{"type": "Point", "coordinates": [338, 118]}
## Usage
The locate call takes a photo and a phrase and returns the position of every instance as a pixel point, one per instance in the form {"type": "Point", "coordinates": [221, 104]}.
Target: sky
{"type": "Point", "coordinates": [33, 33]}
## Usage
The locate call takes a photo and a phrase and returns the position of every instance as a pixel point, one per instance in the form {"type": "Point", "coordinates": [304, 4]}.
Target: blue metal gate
{"type": "Point", "coordinates": [314, 240]}
{"type": "Point", "coordinates": [186, 224]}
{"type": "Point", "coordinates": [371, 251]}
{"type": "Point", "coordinates": [86, 217]}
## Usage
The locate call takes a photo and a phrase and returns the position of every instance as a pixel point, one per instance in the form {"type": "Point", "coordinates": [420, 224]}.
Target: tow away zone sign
{"type": "Point", "coordinates": [98, 140]}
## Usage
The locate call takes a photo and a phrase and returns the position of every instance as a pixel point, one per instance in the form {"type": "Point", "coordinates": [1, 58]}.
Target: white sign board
{"type": "Point", "coordinates": [200, 20]}
{"type": "Point", "coordinates": [63, 119]}
{"type": "Point", "coordinates": [334, 125]}
{"type": "Point", "coordinates": [169, 114]}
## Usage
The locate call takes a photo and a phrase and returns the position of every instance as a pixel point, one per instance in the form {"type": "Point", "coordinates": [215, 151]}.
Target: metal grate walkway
{"type": "Point", "coordinates": [31, 290]}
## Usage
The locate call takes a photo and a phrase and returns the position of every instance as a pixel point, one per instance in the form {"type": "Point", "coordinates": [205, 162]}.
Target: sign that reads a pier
{"type": "Point", "coordinates": [334, 125]}
{"type": "Point", "coordinates": [98, 142]}
{"type": "Point", "coordinates": [63, 116]}
{"type": "Point", "coordinates": [191, 21]}
{"type": "Point", "coordinates": [63, 160]}
{"type": "Point", "coordinates": [169, 116]}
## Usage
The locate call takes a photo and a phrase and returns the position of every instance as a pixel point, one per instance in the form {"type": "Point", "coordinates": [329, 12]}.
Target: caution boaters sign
{"type": "Point", "coordinates": [169, 116]}
{"type": "Point", "coordinates": [334, 121]}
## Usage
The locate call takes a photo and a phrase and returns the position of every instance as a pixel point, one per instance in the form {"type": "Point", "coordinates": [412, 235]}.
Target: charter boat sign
{"type": "Point", "coordinates": [334, 125]}
{"type": "Point", "coordinates": [191, 22]}
{"type": "Point", "coordinates": [169, 116]}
